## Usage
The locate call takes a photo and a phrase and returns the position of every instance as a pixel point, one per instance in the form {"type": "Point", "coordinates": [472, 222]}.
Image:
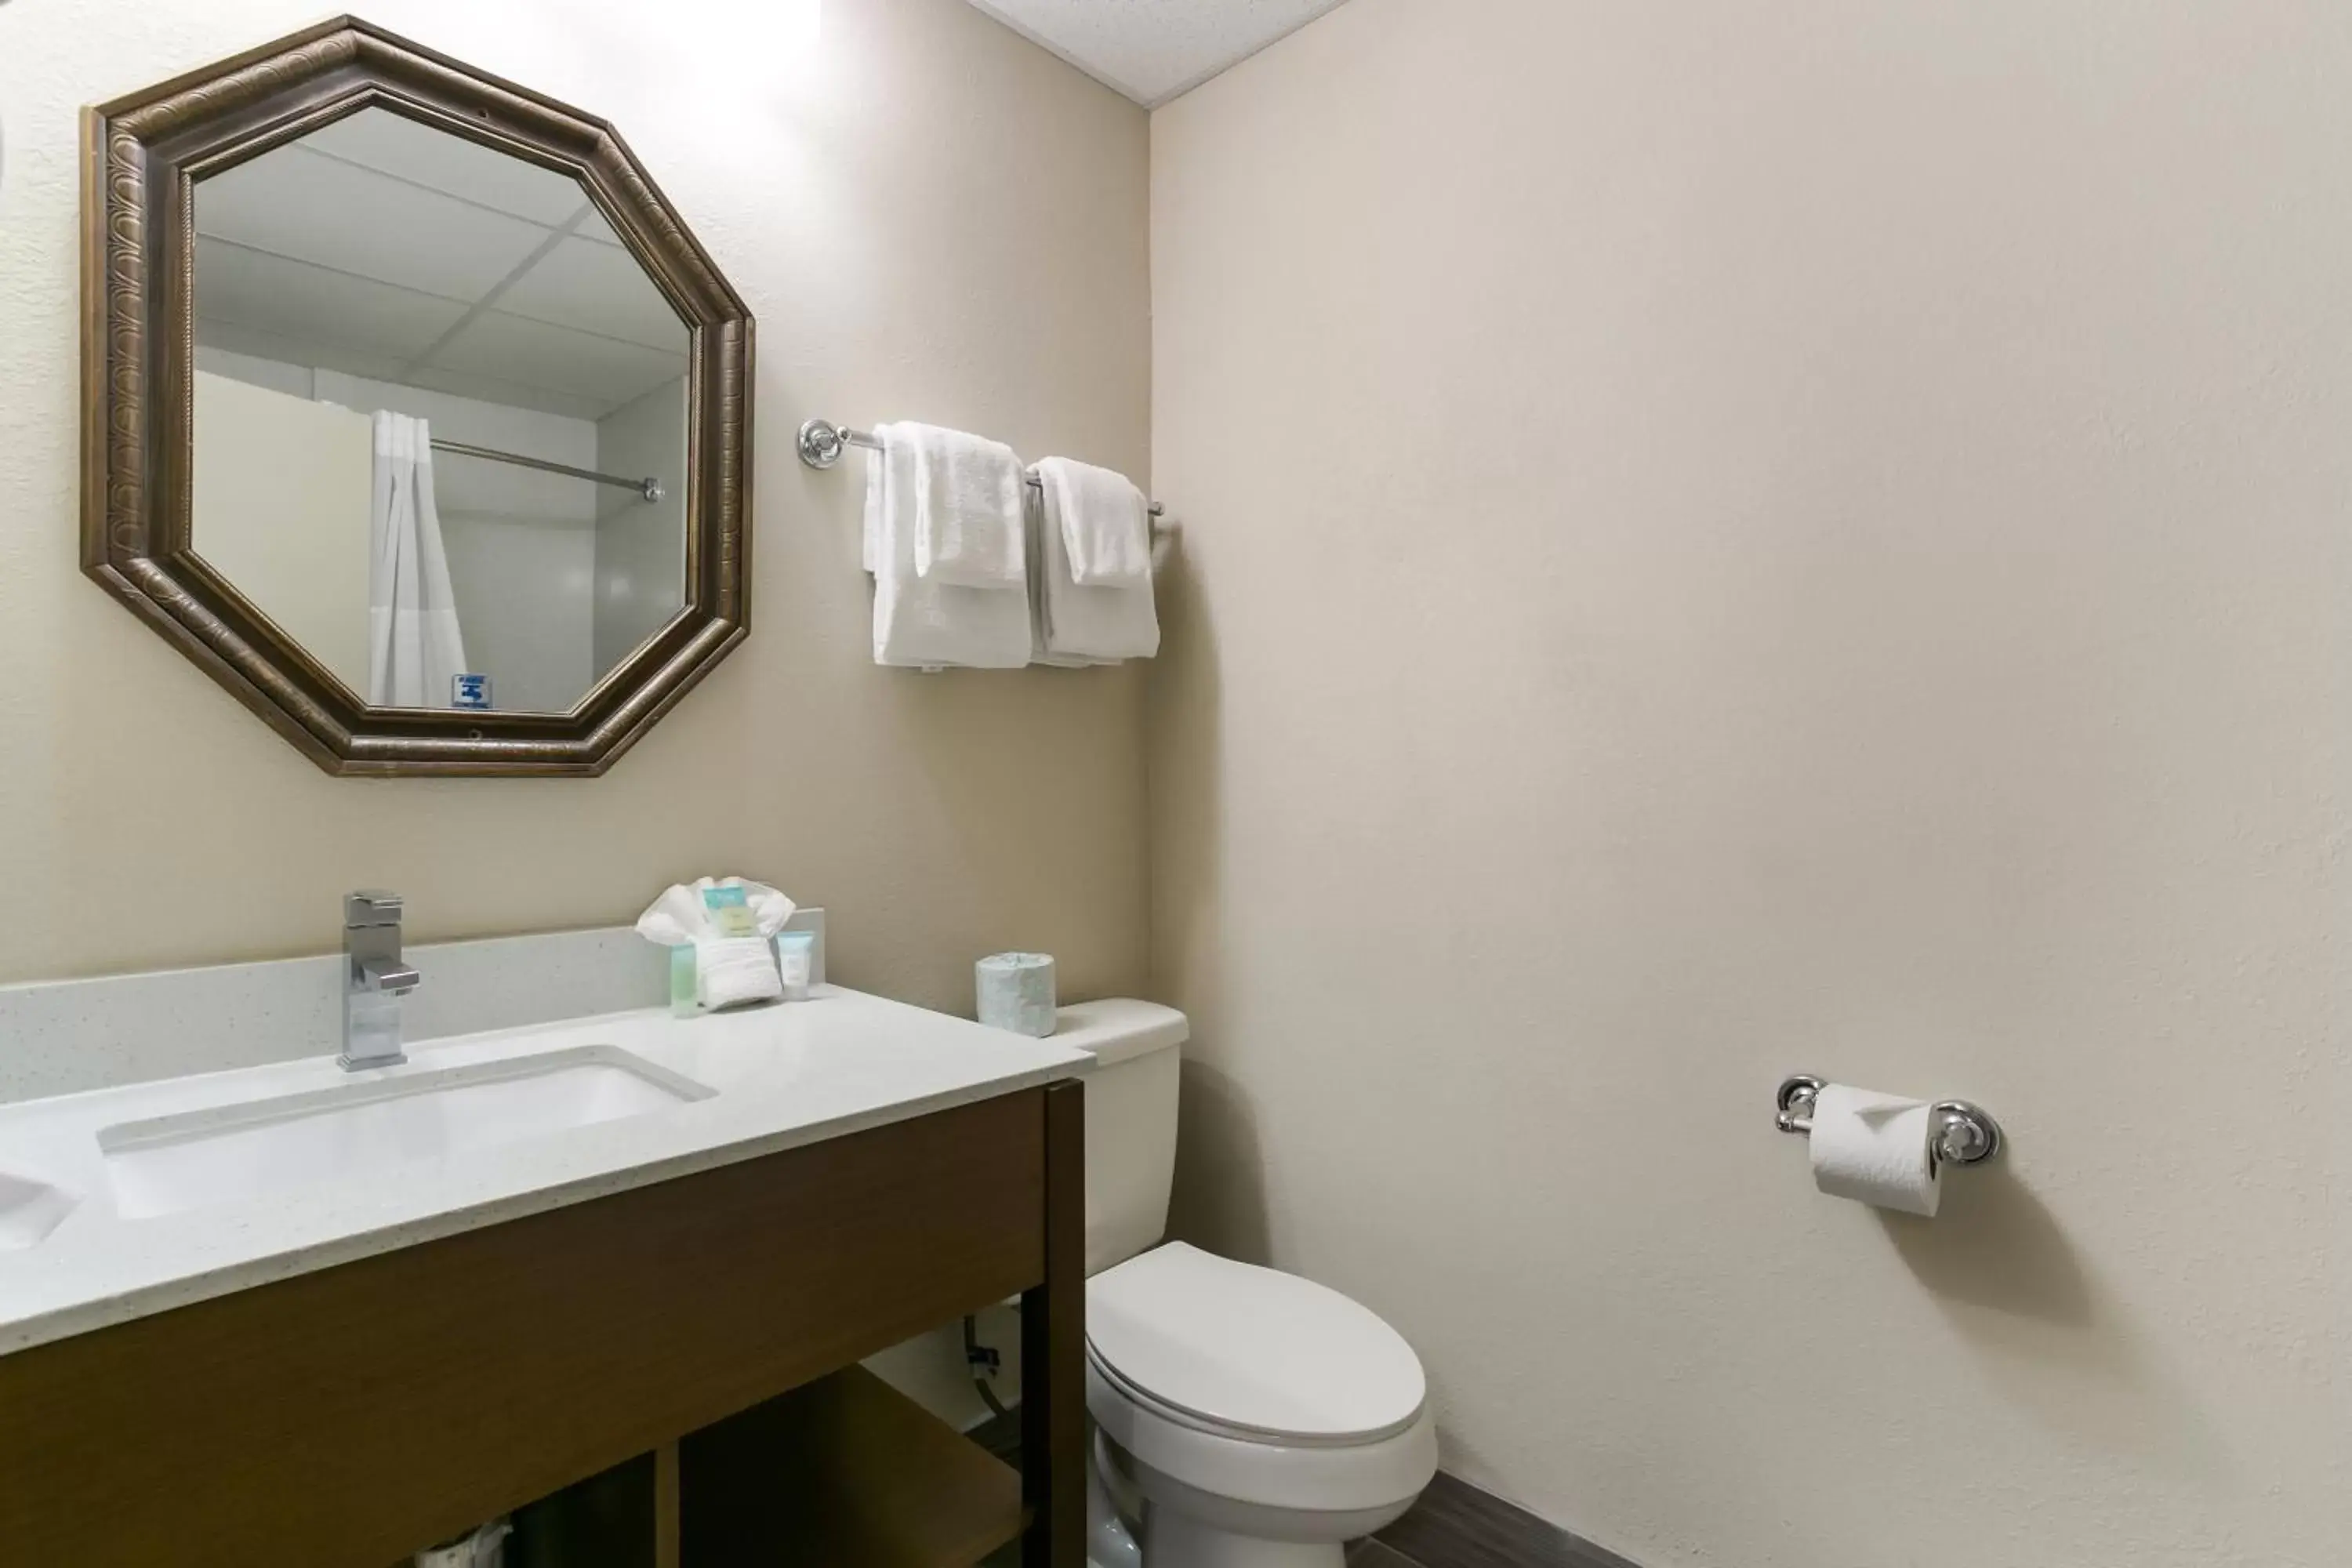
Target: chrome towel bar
{"type": "Point", "coordinates": [822, 443]}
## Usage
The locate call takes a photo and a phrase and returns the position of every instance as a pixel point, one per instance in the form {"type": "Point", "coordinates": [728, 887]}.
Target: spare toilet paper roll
{"type": "Point", "coordinates": [1872, 1148]}
{"type": "Point", "coordinates": [1016, 992]}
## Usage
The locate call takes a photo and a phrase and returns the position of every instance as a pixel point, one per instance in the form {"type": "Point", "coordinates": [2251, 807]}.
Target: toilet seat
{"type": "Point", "coordinates": [1372, 1479]}
{"type": "Point", "coordinates": [1250, 1352]}
{"type": "Point", "coordinates": [1254, 1412]}
{"type": "Point", "coordinates": [1163, 1412]}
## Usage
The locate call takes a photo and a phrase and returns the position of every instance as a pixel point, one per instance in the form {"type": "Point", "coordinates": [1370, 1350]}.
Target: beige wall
{"type": "Point", "coordinates": [279, 497]}
{"type": "Point", "coordinates": [1738, 537]}
{"type": "Point", "coordinates": [930, 218]}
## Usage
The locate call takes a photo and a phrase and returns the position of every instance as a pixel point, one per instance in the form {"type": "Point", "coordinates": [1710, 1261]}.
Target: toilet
{"type": "Point", "coordinates": [1244, 1418]}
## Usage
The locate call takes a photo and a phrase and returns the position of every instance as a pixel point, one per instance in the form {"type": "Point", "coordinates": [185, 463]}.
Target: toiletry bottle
{"type": "Point", "coordinates": [795, 956]}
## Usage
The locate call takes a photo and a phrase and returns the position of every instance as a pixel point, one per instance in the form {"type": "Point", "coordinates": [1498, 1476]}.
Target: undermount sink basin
{"type": "Point", "coordinates": [233, 1153]}
{"type": "Point", "coordinates": [29, 1210]}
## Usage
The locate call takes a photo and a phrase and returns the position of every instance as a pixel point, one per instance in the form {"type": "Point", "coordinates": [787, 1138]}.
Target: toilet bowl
{"type": "Point", "coordinates": [1244, 1417]}
{"type": "Point", "coordinates": [1262, 1420]}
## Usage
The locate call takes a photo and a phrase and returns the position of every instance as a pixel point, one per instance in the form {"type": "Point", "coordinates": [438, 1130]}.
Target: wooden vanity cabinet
{"type": "Point", "coordinates": [344, 1418]}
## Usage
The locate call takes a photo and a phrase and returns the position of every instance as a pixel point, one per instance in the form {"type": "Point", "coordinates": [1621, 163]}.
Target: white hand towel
{"type": "Point", "coordinates": [1074, 625]}
{"type": "Point", "coordinates": [920, 623]}
{"type": "Point", "coordinates": [1106, 523]}
{"type": "Point", "coordinates": [731, 971]}
{"type": "Point", "coordinates": [968, 521]}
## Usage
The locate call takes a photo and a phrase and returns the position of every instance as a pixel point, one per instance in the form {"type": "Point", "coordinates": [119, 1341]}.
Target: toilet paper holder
{"type": "Point", "coordinates": [1964, 1134]}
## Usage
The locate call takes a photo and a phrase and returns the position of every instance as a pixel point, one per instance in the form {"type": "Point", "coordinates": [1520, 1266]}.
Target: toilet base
{"type": "Point", "coordinates": [1171, 1540]}
{"type": "Point", "coordinates": [1185, 1527]}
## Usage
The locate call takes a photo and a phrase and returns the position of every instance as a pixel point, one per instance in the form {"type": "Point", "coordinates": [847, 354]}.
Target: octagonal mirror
{"type": "Point", "coordinates": [440, 408]}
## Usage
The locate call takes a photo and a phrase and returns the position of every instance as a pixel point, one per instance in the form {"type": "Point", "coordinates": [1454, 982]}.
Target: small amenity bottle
{"type": "Point", "coordinates": [795, 957]}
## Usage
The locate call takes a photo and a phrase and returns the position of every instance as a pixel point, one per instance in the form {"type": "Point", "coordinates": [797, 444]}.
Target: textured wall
{"type": "Point", "coordinates": [1731, 537]}
{"type": "Point", "coordinates": [931, 217]}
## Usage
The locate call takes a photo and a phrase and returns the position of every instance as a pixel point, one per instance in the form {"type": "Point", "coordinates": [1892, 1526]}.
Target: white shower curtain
{"type": "Point", "coordinates": [414, 645]}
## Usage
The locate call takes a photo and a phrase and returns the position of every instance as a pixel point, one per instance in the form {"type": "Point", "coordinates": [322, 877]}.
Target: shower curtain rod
{"type": "Point", "coordinates": [648, 488]}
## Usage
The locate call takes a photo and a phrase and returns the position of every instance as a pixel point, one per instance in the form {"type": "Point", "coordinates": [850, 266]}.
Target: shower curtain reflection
{"type": "Point", "coordinates": [415, 648]}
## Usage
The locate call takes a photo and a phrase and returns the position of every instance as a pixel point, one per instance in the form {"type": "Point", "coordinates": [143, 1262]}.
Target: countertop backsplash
{"type": "Point", "coordinates": [64, 1037]}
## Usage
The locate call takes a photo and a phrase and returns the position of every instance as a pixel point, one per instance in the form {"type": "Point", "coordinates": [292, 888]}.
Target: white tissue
{"type": "Point", "coordinates": [1872, 1148]}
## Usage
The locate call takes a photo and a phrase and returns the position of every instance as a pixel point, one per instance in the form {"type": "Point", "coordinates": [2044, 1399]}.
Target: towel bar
{"type": "Point", "coordinates": [1964, 1134]}
{"type": "Point", "coordinates": [821, 442]}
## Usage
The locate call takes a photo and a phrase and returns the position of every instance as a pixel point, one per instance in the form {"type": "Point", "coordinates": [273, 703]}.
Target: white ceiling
{"type": "Point", "coordinates": [384, 248]}
{"type": "Point", "coordinates": [1153, 51]}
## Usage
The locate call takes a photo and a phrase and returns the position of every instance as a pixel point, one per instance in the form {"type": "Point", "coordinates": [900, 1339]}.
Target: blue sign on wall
{"type": "Point", "coordinates": [470, 691]}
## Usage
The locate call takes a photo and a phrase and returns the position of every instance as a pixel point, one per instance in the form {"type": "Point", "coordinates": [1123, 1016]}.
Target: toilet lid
{"type": "Point", "coordinates": [1251, 1349]}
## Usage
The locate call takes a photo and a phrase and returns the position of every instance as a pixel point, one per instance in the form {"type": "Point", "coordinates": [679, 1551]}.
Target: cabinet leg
{"type": "Point", "coordinates": [1053, 1349]}
{"type": "Point", "coordinates": [666, 1519]}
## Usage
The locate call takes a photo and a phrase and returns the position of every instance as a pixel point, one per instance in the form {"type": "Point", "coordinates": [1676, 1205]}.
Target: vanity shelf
{"type": "Point", "coordinates": [845, 1469]}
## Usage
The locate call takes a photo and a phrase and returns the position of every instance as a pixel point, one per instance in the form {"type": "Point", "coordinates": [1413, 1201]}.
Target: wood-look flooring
{"type": "Point", "coordinates": [1455, 1525]}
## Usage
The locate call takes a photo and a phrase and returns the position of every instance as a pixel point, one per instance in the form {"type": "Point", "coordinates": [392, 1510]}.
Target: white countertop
{"type": "Point", "coordinates": [786, 1074]}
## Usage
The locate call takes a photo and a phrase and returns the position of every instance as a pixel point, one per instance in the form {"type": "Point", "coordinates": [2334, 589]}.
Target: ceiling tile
{"type": "Point", "coordinates": [593, 226]}
{"type": "Point", "coordinates": [243, 340]}
{"type": "Point", "coordinates": [535, 354]}
{"type": "Point", "coordinates": [1152, 50]}
{"type": "Point", "coordinates": [316, 306]}
{"type": "Point", "coordinates": [597, 288]}
{"type": "Point", "coordinates": [396, 144]}
{"type": "Point", "coordinates": [491, 389]}
{"type": "Point", "coordinates": [296, 205]}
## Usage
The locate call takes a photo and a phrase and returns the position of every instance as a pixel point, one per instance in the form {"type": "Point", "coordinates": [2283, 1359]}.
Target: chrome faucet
{"type": "Point", "coordinates": [374, 980]}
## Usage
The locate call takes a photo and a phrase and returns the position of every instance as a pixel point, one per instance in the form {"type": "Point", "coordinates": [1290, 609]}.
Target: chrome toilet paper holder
{"type": "Point", "coordinates": [1964, 1134]}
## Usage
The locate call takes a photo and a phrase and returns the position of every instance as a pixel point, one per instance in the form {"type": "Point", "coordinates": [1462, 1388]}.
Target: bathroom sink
{"type": "Point", "coordinates": [234, 1153]}
{"type": "Point", "coordinates": [29, 1210]}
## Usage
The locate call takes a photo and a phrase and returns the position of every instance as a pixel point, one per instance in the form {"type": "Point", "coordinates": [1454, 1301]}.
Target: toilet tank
{"type": "Point", "coordinates": [1131, 1121]}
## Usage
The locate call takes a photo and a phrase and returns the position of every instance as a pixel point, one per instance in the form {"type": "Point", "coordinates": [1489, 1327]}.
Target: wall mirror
{"type": "Point", "coordinates": [416, 417]}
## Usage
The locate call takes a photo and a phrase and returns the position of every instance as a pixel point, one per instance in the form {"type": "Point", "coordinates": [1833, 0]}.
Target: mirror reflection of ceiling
{"type": "Point", "coordinates": [384, 248]}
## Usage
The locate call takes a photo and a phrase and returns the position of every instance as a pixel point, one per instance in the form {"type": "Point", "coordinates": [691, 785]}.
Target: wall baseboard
{"type": "Point", "coordinates": [1457, 1525]}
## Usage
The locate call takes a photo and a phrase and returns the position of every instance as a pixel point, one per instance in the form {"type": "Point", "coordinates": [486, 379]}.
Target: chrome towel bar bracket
{"type": "Point", "coordinates": [822, 443]}
{"type": "Point", "coordinates": [1962, 1135]}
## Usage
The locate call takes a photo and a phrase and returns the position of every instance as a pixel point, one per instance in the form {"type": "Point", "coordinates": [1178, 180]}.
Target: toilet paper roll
{"type": "Point", "coordinates": [1872, 1148]}
{"type": "Point", "coordinates": [1016, 992]}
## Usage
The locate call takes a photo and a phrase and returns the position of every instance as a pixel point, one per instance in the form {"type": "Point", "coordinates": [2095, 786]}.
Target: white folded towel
{"type": "Point", "coordinates": [1074, 624]}
{"type": "Point", "coordinates": [731, 971]}
{"type": "Point", "coordinates": [728, 970]}
{"type": "Point", "coordinates": [920, 622]}
{"type": "Point", "coordinates": [1106, 523]}
{"type": "Point", "coordinates": [682, 914]}
{"type": "Point", "coordinates": [968, 521]}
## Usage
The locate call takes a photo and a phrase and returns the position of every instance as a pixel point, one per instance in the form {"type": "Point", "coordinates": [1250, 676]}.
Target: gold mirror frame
{"type": "Point", "coordinates": [141, 156]}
